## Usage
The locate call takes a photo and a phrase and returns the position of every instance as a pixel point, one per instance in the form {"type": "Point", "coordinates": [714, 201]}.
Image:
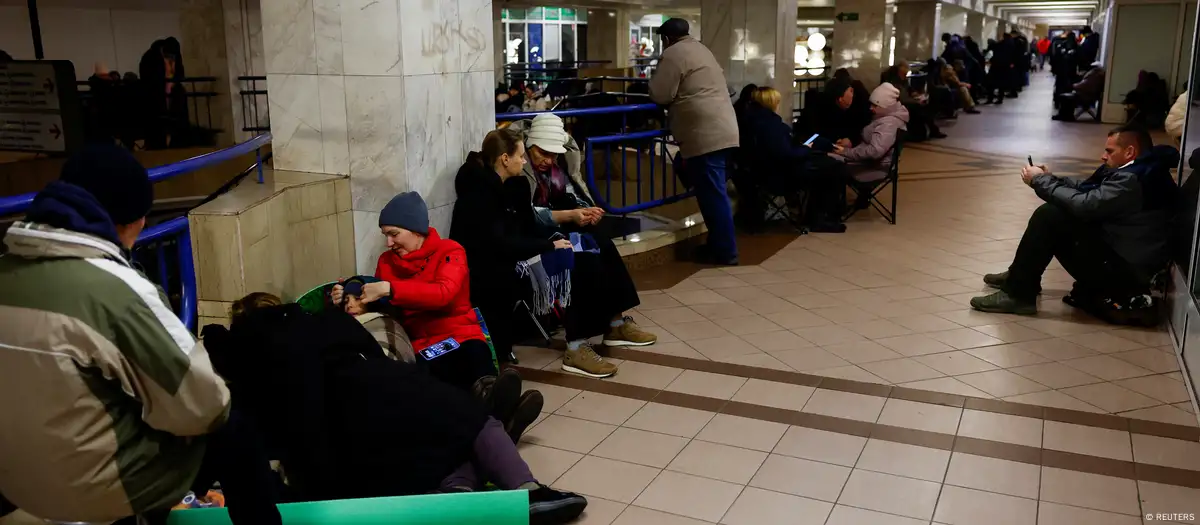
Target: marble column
{"type": "Point", "coordinates": [952, 19]}
{"type": "Point", "coordinates": [991, 29]}
{"type": "Point", "coordinates": [203, 32]}
{"type": "Point", "coordinates": [754, 41]}
{"type": "Point", "coordinates": [861, 45]}
{"type": "Point", "coordinates": [975, 27]}
{"type": "Point", "coordinates": [608, 36]}
{"type": "Point", "coordinates": [392, 93]}
{"type": "Point", "coordinates": [244, 52]}
{"type": "Point", "coordinates": [916, 30]}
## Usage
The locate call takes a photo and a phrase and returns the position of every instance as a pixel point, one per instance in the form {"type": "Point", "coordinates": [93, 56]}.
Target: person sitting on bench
{"type": "Point", "coordinates": [1110, 232]}
{"type": "Point", "coordinates": [870, 161]}
{"type": "Point", "coordinates": [1086, 92]}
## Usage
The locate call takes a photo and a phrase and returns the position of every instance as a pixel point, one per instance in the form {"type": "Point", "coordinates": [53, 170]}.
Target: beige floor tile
{"type": "Point", "coordinates": [921, 416]}
{"type": "Point", "coordinates": [716, 461]}
{"type": "Point", "coordinates": [948, 385]}
{"type": "Point", "coordinates": [964, 338]}
{"type": "Point", "coordinates": [1056, 349]}
{"type": "Point", "coordinates": [743, 432]}
{"type": "Point", "coordinates": [901, 370]}
{"type": "Point", "coordinates": [809, 359]}
{"type": "Point", "coordinates": [1011, 332]}
{"type": "Point", "coordinates": [722, 281]}
{"type": "Point", "coordinates": [850, 372]}
{"type": "Point", "coordinates": [555, 396]}
{"type": "Point", "coordinates": [845, 405]}
{"type": "Point", "coordinates": [1107, 368]}
{"type": "Point", "coordinates": [728, 346]}
{"type": "Point", "coordinates": [675, 315]}
{"type": "Point", "coordinates": [658, 300]}
{"type": "Point", "coordinates": [994, 475]}
{"type": "Point", "coordinates": [667, 419]}
{"type": "Point", "coordinates": [1110, 397]}
{"type": "Point", "coordinates": [772, 394]}
{"type": "Point", "coordinates": [567, 433]}
{"type": "Point", "coordinates": [797, 320]}
{"type": "Point", "coordinates": [722, 311]}
{"type": "Point", "coordinates": [1055, 375]}
{"type": "Point", "coordinates": [1002, 383]}
{"type": "Point", "coordinates": [766, 304]}
{"type": "Point", "coordinates": [601, 408]}
{"type": "Point", "coordinates": [943, 288]}
{"type": "Point", "coordinates": [904, 460]}
{"type": "Point", "coordinates": [1091, 491]}
{"type": "Point", "coordinates": [1001, 427]}
{"type": "Point", "coordinates": [801, 477]}
{"type": "Point", "coordinates": [962, 506]}
{"type": "Point", "coordinates": [690, 496]}
{"type": "Point", "coordinates": [902, 292]}
{"type": "Point", "coordinates": [1007, 356]}
{"type": "Point", "coordinates": [1067, 515]}
{"type": "Point", "coordinates": [892, 494]}
{"type": "Point", "coordinates": [923, 323]}
{"type": "Point", "coordinates": [1161, 387]}
{"type": "Point", "coordinates": [1157, 498]}
{"type": "Point", "coordinates": [934, 305]}
{"type": "Point", "coordinates": [608, 479]}
{"type": "Point", "coordinates": [760, 360]}
{"type": "Point", "coordinates": [536, 356]}
{"type": "Point", "coordinates": [955, 363]}
{"type": "Point", "coordinates": [1092, 441]}
{"type": "Point", "coordinates": [547, 464]}
{"type": "Point", "coordinates": [776, 341]}
{"type": "Point", "coordinates": [696, 297]}
{"type": "Point", "coordinates": [1060, 327]}
{"type": "Point", "coordinates": [828, 335]}
{"type": "Point", "coordinates": [600, 512]}
{"type": "Point", "coordinates": [845, 314]}
{"type": "Point", "coordinates": [677, 349]}
{"type": "Point", "coordinates": [862, 352]}
{"type": "Point", "coordinates": [915, 345]}
{"type": "Point", "coordinates": [638, 446]}
{"type": "Point", "coordinates": [635, 515]}
{"type": "Point", "coordinates": [706, 384]}
{"type": "Point", "coordinates": [970, 318]}
{"type": "Point", "coordinates": [695, 330]}
{"type": "Point", "coordinates": [1151, 359]}
{"type": "Point", "coordinates": [1103, 342]}
{"type": "Point", "coordinates": [1186, 407]}
{"type": "Point", "coordinates": [761, 507]}
{"type": "Point", "coordinates": [645, 375]}
{"type": "Point", "coordinates": [1166, 452]}
{"type": "Point", "coordinates": [819, 445]}
{"type": "Point", "coordinates": [878, 329]}
{"type": "Point", "coordinates": [843, 515]}
{"type": "Point", "coordinates": [1162, 414]}
{"type": "Point", "coordinates": [1147, 337]}
{"type": "Point", "coordinates": [1054, 398]}
{"type": "Point", "coordinates": [750, 324]}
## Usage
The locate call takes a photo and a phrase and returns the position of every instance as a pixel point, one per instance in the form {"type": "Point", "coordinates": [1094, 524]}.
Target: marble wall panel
{"type": "Point", "coordinates": [371, 37]}
{"type": "Point", "coordinates": [476, 36]}
{"type": "Point", "coordinates": [432, 36]}
{"type": "Point", "coordinates": [296, 123]}
{"type": "Point", "coordinates": [368, 242]}
{"type": "Point", "coordinates": [479, 112]}
{"type": "Point", "coordinates": [289, 42]}
{"type": "Point", "coordinates": [375, 111]}
{"type": "Point", "coordinates": [429, 114]}
{"type": "Point", "coordinates": [327, 29]}
{"type": "Point", "coordinates": [335, 147]}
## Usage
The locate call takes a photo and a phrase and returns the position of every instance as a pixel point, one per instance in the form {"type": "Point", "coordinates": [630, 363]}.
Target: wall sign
{"type": "Point", "coordinates": [39, 106]}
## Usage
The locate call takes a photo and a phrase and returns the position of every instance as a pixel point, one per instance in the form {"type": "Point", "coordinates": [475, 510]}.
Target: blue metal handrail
{"type": "Point", "coordinates": [627, 108]}
{"type": "Point", "coordinates": [657, 139]}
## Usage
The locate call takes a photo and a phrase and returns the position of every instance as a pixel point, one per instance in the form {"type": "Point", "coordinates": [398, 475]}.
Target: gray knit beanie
{"type": "Point", "coordinates": [406, 210]}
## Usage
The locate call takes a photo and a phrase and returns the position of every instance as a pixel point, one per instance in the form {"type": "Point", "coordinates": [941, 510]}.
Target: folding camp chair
{"type": "Point", "coordinates": [873, 188]}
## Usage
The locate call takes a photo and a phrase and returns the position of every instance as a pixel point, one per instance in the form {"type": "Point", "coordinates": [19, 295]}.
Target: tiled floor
{"type": "Point", "coordinates": [739, 415]}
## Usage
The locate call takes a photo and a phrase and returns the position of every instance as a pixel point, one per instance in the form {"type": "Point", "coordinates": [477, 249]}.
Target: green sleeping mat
{"type": "Point", "coordinates": [484, 508]}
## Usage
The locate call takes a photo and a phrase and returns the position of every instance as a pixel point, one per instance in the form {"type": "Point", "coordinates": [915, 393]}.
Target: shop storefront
{"type": "Point", "coordinates": [544, 34]}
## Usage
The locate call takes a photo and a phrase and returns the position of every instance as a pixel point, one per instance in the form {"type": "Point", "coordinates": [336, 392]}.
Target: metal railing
{"type": "Point", "coordinates": [155, 242]}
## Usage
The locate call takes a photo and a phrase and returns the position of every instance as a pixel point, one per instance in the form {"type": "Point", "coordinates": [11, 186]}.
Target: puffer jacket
{"type": "Point", "coordinates": [690, 81]}
{"type": "Point", "coordinates": [874, 154]}
{"type": "Point", "coordinates": [432, 289]}
{"type": "Point", "coordinates": [105, 388]}
{"type": "Point", "coordinates": [1134, 205]}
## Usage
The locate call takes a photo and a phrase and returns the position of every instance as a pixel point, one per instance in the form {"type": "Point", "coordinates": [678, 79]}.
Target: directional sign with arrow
{"type": "Point", "coordinates": [847, 17]}
{"type": "Point", "coordinates": [39, 107]}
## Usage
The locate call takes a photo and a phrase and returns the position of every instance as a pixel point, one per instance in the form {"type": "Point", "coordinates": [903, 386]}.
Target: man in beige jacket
{"type": "Point", "coordinates": [690, 82]}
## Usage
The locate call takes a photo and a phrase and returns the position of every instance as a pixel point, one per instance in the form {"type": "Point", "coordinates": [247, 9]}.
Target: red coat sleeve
{"type": "Point", "coordinates": [413, 294]}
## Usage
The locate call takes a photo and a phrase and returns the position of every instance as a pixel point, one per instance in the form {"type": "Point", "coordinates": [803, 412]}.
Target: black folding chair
{"type": "Point", "coordinates": [873, 188]}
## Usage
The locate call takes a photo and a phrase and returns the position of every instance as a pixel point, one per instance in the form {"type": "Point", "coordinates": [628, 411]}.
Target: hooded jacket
{"type": "Point", "coordinates": [874, 154]}
{"type": "Point", "coordinates": [690, 81]}
{"type": "Point", "coordinates": [1134, 206]}
{"type": "Point", "coordinates": [432, 290]}
{"type": "Point", "coordinates": [106, 389]}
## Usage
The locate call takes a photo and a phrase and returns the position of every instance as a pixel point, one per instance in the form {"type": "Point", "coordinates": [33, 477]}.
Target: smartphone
{"type": "Point", "coordinates": [1030, 157]}
{"type": "Point", "coordinates": [811, 139]}
{"type": "Point", "coordinates": [439, 349]}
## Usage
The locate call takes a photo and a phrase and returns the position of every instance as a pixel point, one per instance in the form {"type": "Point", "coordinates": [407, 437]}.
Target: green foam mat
{"type": "Point", "coordinates": [490, 508]}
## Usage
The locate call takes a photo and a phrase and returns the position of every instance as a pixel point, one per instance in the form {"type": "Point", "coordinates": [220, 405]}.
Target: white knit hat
{"type": "Point", "coordinates": [547, 133]}
{"type": "Point", "coordinates": [885, 95]}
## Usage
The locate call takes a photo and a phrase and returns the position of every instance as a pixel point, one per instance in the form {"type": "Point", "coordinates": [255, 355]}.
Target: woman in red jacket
{"type": "Point", "coordinates": [425, 277]}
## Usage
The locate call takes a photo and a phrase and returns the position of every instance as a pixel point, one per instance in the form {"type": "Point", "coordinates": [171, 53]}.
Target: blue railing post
{"type": "Point", "coordinates": [258, 163]}
{"type": "Point", "coordinates": [187, 277]}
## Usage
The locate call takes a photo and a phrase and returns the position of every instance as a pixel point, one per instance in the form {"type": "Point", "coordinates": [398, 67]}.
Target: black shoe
{"type": "Point", "coordinates": [527, 410]}
{"type": "Point", "coordinates": [996, 280]}
{"type": "Point", "coordinates": [703, 254]}
{"type": "Point", "coordinates": [972, 111]}
{"type": "Point", "coordinates": [501, 399]}
{"type": "Point", "coordinates": [552, 507]}
{"type": "Point", "coordinates": [937, 135]}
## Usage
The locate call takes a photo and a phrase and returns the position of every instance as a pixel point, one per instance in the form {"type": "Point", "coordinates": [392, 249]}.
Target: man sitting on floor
{"type": "Point", "coordinates": [1110, 232]}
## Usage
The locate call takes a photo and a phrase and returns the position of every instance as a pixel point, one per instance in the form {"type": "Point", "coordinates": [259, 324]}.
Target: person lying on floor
{"type": "Point", "coordinates": [1111, 232]}
{"type": "Point", "coordinates": [345, 421]}
{"type": "Point", "coordinates": [870, 161]}
{"type": "Point", "coordinates": [424, 277]}
{"type": "Point", "coordinates": [374, 316]}
{"type": "Point", "coordinates": [507, 245]}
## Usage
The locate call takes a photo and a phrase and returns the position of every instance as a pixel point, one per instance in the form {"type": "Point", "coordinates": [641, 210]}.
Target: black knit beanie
{"type": "Point", "coordinates": [406, 210]}
{"type": "Point", "coordinates": [115, 178]}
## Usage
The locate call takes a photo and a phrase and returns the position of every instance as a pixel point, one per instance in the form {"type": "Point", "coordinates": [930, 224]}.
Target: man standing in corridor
{"type": "Point", "coordinates": [690, 82]}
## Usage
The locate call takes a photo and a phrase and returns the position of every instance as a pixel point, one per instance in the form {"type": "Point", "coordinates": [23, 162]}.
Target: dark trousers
{"type": "Point", "coordinates": [494, 458]}
{"type": "Point", "coordinates": [462, 367]}
{"type": "Point", "coordinates": [601, 289]}
{"type": "Point", "coordinates": [708, 173]}
{"type": "Point", "coordinates": [1080, 248]}
{"type": "Point", "coordinates": [820, 176]}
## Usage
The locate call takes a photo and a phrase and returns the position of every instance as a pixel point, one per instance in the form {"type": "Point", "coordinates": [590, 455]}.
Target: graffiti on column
{"type": "Point", "coordinates": [437, 39]}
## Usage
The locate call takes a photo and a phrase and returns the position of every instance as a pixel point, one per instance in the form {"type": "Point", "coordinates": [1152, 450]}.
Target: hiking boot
{"type": "Point", "coordinates": [526, 411]}
{"type": "Point", "coordinates": [586, 362]}
{"type": "Point", "coordinates": [996, 280]}
{"type": "Point", "coordinates": [552, 507]}
{"type": "Point", "coordinates": [1002, 303]}
{"type": "Point", "coordinates": [629, 334]}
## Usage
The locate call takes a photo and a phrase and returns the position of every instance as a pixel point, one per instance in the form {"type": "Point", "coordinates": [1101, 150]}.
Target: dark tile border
{"type": "Point", "coordinates": [1077, 417]}
{"type": "Point", "coordinates": [922, 438]}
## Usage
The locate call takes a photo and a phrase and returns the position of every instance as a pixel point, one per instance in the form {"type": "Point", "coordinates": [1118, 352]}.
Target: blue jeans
{"type": "Point", "coordinates": [707, 173]}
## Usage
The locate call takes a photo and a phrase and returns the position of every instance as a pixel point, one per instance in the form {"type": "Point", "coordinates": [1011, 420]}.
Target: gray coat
{"type": "Point", "coordinates": [873, 157]}
{"type": "Point", "coordinates": [689, 80]}
{"type": "Point", "coordinates": [573, 162]}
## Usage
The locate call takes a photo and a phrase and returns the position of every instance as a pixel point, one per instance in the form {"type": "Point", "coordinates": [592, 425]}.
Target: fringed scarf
{"type": "Point", "coordinates": [550, 273]}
